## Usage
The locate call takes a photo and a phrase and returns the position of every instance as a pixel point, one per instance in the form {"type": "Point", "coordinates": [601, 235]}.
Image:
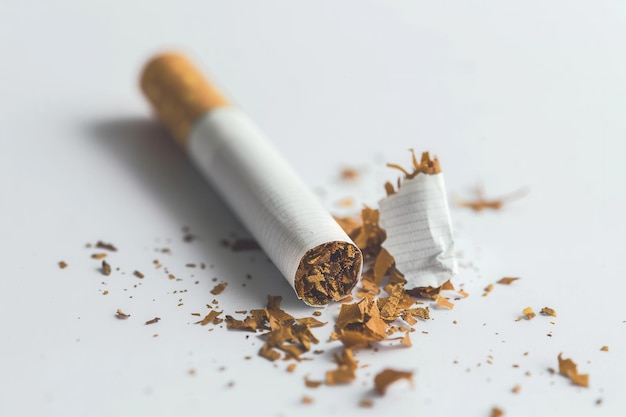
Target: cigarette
{"type": "Point", "coordinates": [288, 221]}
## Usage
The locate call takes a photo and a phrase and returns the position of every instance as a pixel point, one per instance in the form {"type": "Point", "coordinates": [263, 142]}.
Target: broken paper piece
{"type": "Point", "coordinates": [419, 231]}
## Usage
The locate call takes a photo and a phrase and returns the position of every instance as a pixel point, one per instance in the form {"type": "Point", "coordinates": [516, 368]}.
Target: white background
{"type": "Point", "coordinates": [509, 94]}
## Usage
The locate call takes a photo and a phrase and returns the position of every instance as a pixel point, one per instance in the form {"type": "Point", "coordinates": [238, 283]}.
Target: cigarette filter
{"type": "Point", "coordinates": [299, 235]}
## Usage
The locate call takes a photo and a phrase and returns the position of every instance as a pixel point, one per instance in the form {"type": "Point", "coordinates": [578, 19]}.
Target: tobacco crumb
{"type": "Point", "coordinates": [547, 311]}
{"type": "Point", "coordinates": [516, 389]}
{"type": "Point", "coordinates": [481, 202]}
{"type": "Point", "coordinates": [444, 303]}
{"type": "Point", "coordinates": [349, 174]}
{"type": "Point", "coordinates": [219, 288]}
{"type": "Point", "coordinates": [190, 265]}
{"type": "Point", "coordinates": [291, 367]}
{"type": "Point", "coordinates": [366, 403]}
{"type": "Point", "coordinates": [192, 372]}
{"type": "Point", "coordinates": [488, 289]}
{"type": "Point", "coordinates": [496, 412]}
{"type": "Point", "coordinates": [138, 274]}
{"type": "Point", "coordinates": [317, 313]}
{"type": "Point", "coordinates": [529, 313]}
{"type": "Point", "coordinates": [99, 255]}
{"type": "Point", "coordinates": [604, 348]}
{"type": "Point", "coordinates": [105, 292]}
{"type": "Point", "coordinates": [209, 318]}
{"type": "Point", "coordinates": [311, 384]}
{"type": "Point", "coordinates": [569, 369]}
{"type": "Point", "coordinates": [599, 401]}
{"type": "Point", "coordinates": [107, 246]}
{"type": "Point", "coordinates": [154, 320]}
{"type": "Point", "coordinates": [307, 400]}
{"type": "Point", "coordinates": [106, 268]}
{"type": "Point", "coordinates": [383, 379]}
{"type": "Point", "coordinates": [62, 264]}
{"type": "Point", "coordinates": [506, 281]}
{"type": "Point", "coordinates": [121, 315]}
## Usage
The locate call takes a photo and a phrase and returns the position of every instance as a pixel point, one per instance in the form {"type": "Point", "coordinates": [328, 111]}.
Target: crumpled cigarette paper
{"type": "Point", "coordinates": [419, 231]}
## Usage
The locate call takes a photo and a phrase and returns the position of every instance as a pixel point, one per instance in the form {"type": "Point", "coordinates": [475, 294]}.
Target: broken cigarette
{"type": "Point", "coordinates": [299, 235]}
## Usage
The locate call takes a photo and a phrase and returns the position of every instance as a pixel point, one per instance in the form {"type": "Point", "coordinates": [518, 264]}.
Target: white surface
{"type": "Point", "coordinates": [510, 94]}
{"type": "Point", "coordinates": [275, 206]}
{"type": "Point", "coordinates": [417, 222]}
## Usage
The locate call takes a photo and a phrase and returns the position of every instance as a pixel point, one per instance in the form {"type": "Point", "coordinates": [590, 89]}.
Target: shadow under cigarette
{"type": "Point", "coordinates": [149, 154]}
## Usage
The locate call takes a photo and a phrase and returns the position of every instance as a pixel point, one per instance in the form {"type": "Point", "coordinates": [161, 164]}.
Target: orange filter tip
{"type": "Point", "coordinates": [178, 92]}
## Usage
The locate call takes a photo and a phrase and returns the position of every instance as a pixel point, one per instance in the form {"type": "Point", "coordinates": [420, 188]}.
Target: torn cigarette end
{"type": "Point", "coordinates": [328, 272]}
{"type": "Point", "coordinates": [178, 92]}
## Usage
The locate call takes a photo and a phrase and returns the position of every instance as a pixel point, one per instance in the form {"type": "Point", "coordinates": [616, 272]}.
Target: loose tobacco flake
{"type": "Point", "coordinates": [346, 367]}
{"type": "Point", "coordinates": [213, 314]}
{"type": "Point", "coordinates": [529, 313]}
{"type": "Point", "coordinates": [62, 264]}
{"type": "Point", "coordinates": [482, 203]}
{"type": "Point", "coordinates": [107, 246]}
{"type": "Point", "coordinates": [568, 368]}
{"type": "Point", "coordinates": [219, 288]}
{"type": "Point", "coordinates": [506, 281]}
{"type": "Point", "coordinates": [444, 303]}
{"type": "Point", "coordinates": [383, 379]}
{"type": "Point", "coordinates": [548, 311]}
{"type": "Point", "coordinates": [106, 268]}
{"type": "Point", "coordinates": [496, 412]}
{"type": "Point", "coordinates": [121, 315]}
{"type": "Point", "coordinates": [153, 321]}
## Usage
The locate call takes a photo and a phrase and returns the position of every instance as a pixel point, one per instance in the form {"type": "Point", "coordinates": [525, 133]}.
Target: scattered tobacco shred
{"type": "Point", "coordinates": [311, 384]}
{"type": "Point", "coordinates": [488, 289]}
{"type": "Point", "coordinates": [219, 288]}
{"type": "Point", "coordinates": [496, 412]}
{"type": "Point", "coordinates": [349, 174]}
{"type": "Point", "coordinates": [213, 314]}
{"type": "Point", "coordinates": [107, 246]}
{"type": "Point", "coordinates": [568, 368]}
{"type": "Point", "coordinates": [444, 303]}
{"type": "Point", "coordinates": [307, 400]}
{"type": "Point", "coordinates": [153, 321]}
{"type": "Point", "coordinates": [529, 313]}
{"type": "Point", "coordinates": [99, 255]}
{"type": "Point", "coordinates": [425, 166]}
{"type": "Point", "coordinates": [291, 367]}
{"type": "Point", "coordinates": [106, 268]}
{"type": "Point", "coordinates": [481, 202]}
{"type": "Point", "coordinates": [547, 311]}
{"type": "Point", "coordinates": [366, 403]}
{"type": "Point", "coordinates": [121, 315]}
{"type": "Point", "coordinates": [138, 274]}
{"type": "Point", "coordinates": [346, 367]}
{"type": "Point", "coordinates": [516, 389]}
{"type": "Point", "coordinates": [506, 281]}
{"type": "Point", "coordinates": [62, 264]}
{"type": "Point", "coordinates": [383, 379]}
{"type": "Point", "coordinates": [604, 348]}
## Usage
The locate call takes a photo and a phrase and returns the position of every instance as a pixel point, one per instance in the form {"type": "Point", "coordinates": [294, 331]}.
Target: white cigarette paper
{"type": "Point", "coordinates": [299, 235]}
{"type": "Point", "coordinates": [283, 215]}
{"type": "Point", "coordinates": [419, 231]}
